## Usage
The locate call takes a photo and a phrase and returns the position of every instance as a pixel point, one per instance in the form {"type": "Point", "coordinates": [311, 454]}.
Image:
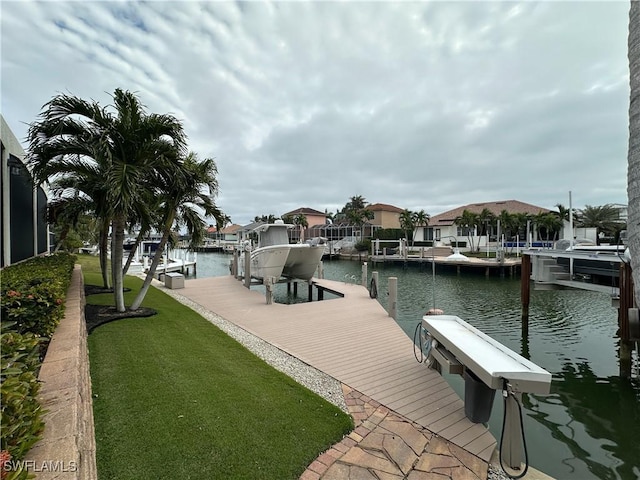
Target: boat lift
{"type": "Point", "coordinates": [450, 344]}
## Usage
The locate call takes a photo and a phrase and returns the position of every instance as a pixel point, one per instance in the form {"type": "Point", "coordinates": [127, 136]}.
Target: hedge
{"type": "Point", "coordinates": [32, 295]}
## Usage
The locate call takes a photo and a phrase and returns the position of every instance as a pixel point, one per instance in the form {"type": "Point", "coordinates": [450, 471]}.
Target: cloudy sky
{"type": "Point", "coordinates": [422, 105]}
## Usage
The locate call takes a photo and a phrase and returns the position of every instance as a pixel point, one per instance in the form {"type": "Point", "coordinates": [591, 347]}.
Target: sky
{"type": "Point", "coordinates": [421, 105]}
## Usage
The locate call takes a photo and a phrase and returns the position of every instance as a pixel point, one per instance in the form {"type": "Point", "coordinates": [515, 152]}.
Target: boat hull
{"type": "Point", "coordinates": [269, 261]}
{"type": "Point", "coordinates": [303, 261]}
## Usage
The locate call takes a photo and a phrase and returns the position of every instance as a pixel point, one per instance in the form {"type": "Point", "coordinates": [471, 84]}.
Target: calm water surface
{"type": "Point", "coordinates": [589, 426]}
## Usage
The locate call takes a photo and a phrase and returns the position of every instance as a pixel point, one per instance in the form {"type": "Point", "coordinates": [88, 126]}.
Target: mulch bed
{"type": "Point", "coordinates": [96, 315]}
{"type": "Point", "coordinates": [96, 289]}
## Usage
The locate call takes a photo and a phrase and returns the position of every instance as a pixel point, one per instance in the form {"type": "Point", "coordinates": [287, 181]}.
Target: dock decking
{"type": "Point", "coordinates": [356, 342]}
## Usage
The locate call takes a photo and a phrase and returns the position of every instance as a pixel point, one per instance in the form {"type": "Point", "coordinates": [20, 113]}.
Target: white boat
{"type": "Point", "coordinates": [303, 260]}
{"type": "Point", "coordinates": [270, 256]}
{"type": "Point", "coordinates": [275, 257]}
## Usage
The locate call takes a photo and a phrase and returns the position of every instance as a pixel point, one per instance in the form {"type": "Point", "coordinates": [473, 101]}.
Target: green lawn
{"type": "Point", "coordinates": [175, 397]}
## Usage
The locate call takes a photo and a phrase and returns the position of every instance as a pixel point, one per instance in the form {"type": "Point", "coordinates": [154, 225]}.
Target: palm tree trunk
{"type": "Point", "coordinates": [63, 236]}
{"type": "Point", "coordinates": [104, 245]}
{"type": "Point", "coordinates": [132, 252]}
{"type": "Point", "coordinates": [152, 269]}
{"type": "Point", "coordinates": [116, 261]}
{"type": "Point", "coordinates": [633, 172]}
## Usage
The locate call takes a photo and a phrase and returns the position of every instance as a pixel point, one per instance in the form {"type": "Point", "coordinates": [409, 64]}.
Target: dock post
{"type": "Point", "coordinates": [364, 275]}
{"type": "Point", "coordinates": [247, 267]}
{"type": "Point", "coordinates": [525, 290]}
{"type": "Point", "coordinates": [320, 270]}
{"type": "Point", "coordinates": [234, 264]}
{"type": "Point", "coordinates": [295, 289]}
{"type": "Point", "coordinates": [268, 284]}
{"type": "Point", "coordinates": [374, 280]}
{"type": "Point", "coordinates": [624, 309]}
{"type": "Point", "coordinates": [393, 297]}
{"type": "Point", "coordinates": [288, 288]}
{"type": "Point", "coordinates": [310, 290]}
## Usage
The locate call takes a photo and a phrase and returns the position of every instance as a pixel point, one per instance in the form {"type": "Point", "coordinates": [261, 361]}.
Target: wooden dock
{"type": "Point", "coordinates": [356, 342]}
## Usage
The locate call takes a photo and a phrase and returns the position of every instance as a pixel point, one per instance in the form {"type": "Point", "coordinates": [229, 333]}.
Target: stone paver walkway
{"type": "Point", "coordinates": [386, 446]}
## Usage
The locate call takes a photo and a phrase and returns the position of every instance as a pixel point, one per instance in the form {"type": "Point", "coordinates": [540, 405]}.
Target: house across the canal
{"type": "Point", "coordinates": [443, 227]}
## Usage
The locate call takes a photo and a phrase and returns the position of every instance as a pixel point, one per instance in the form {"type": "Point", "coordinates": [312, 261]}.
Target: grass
{"type": "Point", "coordinates": [175, 397]}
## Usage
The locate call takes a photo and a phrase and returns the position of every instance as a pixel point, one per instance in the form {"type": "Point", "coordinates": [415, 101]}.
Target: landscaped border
{"type": "Point", "coordinates": [67, 449]}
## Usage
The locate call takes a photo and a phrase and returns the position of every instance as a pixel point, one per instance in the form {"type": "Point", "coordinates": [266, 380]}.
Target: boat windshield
{"type": "Point", "coordinates": [274, 236]}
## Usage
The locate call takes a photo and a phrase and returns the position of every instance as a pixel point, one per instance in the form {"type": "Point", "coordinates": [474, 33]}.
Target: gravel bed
{"type": "Point", "coordinates": [319, 382]}
{"type": "Point", "coordinates": [496, 473]}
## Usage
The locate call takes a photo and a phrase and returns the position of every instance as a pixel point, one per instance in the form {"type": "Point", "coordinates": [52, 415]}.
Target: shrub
{"type": "Point", "coordinates": [33, 293]}
{"type": "Point", "coordinates": [363, 246]}
{"type": "Point", "coordinates": [21, 413]}
{"type": "Point", "coordinates": [32, 303]}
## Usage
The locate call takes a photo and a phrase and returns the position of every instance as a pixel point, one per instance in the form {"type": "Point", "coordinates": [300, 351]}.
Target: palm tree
{"type": "Point", "coordinates": [519, 224]}
{"type": "Point", "coordinates": [420, 219]}
{"type": "Point", "coordinates": [406, 222]}
{"type": "Point", "coordinates": [468, 221]}
{"type": "Point", "coordinates": [633, 170]}
{"type": "Point", "coordinates": [271, 218]}
{"type": "Point", "coordinates": [143, 220]}
{"type": "Point", "coordinates": [129, 147]}
{"type": "Point", "coordinates": [563, 212]}
{"type": "Point", "coordinates": [67, 160]}
{"type": "Point", "coordinates": [65, 213]}
{"type": "Point", "coordinates": [301, 221]}
{"type": "Point", "coordinates": [550, 222]}
{"type": "Point", "coordinates": [182, 196]}
{"type": "Point", "coordinates": [604, 218]}
{"type": "Point", "coordinates": [486, 219]}
{"type": "Point", "coordinates": [507, 223]}
{"type": "Point", "coordinates": [356, 202]}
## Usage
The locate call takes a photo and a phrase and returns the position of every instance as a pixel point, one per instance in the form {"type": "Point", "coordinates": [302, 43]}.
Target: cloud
{"type": "Point", "coordinates": [423, 105]}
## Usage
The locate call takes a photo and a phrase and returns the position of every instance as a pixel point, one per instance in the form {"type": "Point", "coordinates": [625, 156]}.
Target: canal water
{"type": "Point", "coordinates": [589, 426]}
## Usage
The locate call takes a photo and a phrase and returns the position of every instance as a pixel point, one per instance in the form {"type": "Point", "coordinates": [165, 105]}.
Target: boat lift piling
{"type": "Point", "coordinates": [541, 266]}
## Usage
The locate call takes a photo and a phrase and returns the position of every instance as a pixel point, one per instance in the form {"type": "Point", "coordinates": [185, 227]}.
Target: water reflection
{"type": "Point", "coordinates": [605, 408]}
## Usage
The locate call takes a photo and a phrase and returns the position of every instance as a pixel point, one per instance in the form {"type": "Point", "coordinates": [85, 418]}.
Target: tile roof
{"type": "Point", "coordinates": [511, 206]}
{"type": "Point", "coordinates": [304, 211]}
{"type": "Point", "coordinates": [233, 228]}
{"type": "Point", "coordinates": [383, 207]}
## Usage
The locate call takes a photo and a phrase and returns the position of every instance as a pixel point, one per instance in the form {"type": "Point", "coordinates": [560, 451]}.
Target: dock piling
{"type": "Point", "coordinates": [247, 267]}
{"type": "Point", "coordinates": [364, 274]}
{"type": "Point", "coordinates": [525, 289]}
{"type": "Point", "coordinates": [393, 297]}
{"type": "Point", "coordinates": [268, 284]}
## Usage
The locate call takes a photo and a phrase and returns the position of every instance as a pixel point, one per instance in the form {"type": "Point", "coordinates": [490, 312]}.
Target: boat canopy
{"type": "Point", "coordinates": [273, 234]}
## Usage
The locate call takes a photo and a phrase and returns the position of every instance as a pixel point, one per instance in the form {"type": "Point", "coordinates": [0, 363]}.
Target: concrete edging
{"type": "Point", "coordinates": [67, 449]}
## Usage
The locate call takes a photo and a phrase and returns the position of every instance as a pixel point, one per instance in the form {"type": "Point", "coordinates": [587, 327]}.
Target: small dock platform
{"type": "Point", "coordinates": [352, 339]}
{"type": "Point", "coordinates": [489, 266]}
